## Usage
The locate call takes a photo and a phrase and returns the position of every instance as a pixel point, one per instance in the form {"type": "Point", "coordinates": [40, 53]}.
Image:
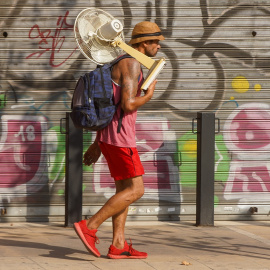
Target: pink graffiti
{"type": "Point", "coordinates": [21, 154]}
{"type": "Point", "coordinates": [246, 134]}
{"type": "Point", "coordinates": [51, 42]}
{"type": "Point", "coordinates": [251, 179]}
{"type": "Point", "coordinates": [251, 128]}
{"type": "Point", "coordinates": [248, 181]}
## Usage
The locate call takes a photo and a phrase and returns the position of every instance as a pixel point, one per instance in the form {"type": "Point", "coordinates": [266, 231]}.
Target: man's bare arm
{"type": "Point", "coordinates": [130, 70]}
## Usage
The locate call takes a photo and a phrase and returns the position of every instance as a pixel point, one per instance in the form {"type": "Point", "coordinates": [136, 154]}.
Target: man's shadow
{"type": "Point", "coordinates": [59, 252]}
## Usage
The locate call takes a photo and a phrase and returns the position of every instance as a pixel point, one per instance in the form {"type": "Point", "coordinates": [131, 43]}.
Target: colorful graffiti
{"type": "Point", "coordinates": [246, 133]}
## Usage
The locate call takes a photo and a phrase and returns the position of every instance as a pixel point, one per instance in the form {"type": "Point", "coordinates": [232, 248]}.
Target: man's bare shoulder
{"type": "Point", "coordinates": [129, 64]}
{"type": "Point", "coordinates": [127, 67]}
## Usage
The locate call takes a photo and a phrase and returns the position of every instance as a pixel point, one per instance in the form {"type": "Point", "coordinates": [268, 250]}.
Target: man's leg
{"type": "Point", "coordinates": [129, 191]}
{"type": "Point", "coordinates": [119, 220]}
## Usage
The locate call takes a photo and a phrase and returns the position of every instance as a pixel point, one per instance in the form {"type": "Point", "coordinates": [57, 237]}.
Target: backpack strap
{"type": "Point", "coordinates": [102, 81]}
{"type": "Point", "coordinates": [120, 121]}
{"type": "Point", "coordinates": [115, 61]}
{"type": "Point", "coordinates": [88, 80]}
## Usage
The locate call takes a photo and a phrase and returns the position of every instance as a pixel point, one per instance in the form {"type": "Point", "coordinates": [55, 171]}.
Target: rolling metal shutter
{"type": "Point", "coordinates": [217, 60]}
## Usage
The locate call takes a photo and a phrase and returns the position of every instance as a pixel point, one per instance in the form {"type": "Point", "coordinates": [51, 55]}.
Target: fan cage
{"type": "Point", "coordinates": [97, 48]}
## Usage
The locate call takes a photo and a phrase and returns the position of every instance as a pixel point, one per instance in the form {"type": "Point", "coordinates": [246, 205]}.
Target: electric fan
{"type": "Point", "coordinates": [100, 38]}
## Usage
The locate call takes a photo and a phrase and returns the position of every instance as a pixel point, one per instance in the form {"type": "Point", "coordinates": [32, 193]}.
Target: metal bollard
{"type": "Point", "coordinates": [205, 169]}
{"type": "Point", "coordinates": [74, 173]}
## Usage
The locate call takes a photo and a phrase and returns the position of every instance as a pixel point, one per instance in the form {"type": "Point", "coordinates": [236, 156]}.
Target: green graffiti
{"type": "Point", "coordinates": [216, 201]}
{"type": "Point", "coordinates": [61, 192]}
{"type": "Point", "coordinates": [56, 147]}
{"type": "Point", "coordinates": [187, 159]}
{"type": "Point", "coordinates": [2, 101]}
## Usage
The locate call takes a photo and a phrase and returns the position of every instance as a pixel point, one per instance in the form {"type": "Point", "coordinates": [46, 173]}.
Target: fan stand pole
{"type": "Point", "coordinates": [142, 58]}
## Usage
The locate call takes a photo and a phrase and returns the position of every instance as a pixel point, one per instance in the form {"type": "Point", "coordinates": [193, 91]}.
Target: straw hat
{"type": "Point", "coordinates": [145, 31]}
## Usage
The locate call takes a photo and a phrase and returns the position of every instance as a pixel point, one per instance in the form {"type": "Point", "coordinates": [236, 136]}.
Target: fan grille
{"type": "Point", "coordinates": [86, 25]}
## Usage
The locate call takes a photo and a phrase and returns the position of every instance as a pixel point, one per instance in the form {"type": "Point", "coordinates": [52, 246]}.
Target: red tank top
{"type": "Point", "coordinates": [126, 137]}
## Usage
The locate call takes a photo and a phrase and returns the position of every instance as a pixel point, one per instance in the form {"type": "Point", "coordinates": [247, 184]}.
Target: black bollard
{"type": "Point", "coordinates": [74, 173]}
{"type": "Point", "coordinates": [205, 169]}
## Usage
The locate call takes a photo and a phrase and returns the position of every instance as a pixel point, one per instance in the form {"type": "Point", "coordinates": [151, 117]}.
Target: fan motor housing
{"type": "Point", "coordinates": [110, 30]}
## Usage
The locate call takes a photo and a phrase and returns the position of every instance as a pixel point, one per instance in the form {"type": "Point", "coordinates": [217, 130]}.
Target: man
{"type": "Point", "coordinates": [119, 149]}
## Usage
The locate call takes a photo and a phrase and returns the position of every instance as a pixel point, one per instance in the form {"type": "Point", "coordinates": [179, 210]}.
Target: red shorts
{"type": "Point", "coordinates": [123, 162]}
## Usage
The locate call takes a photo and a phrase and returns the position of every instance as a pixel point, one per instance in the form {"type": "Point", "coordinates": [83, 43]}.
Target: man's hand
{"type": "Point", "coordinates": [92, 154]}
{"type": "Point", "coordinates": [150, 90]}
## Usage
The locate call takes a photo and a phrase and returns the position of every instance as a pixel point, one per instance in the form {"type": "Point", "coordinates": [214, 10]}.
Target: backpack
{"type": "Point", "coordinates": [92, 103]}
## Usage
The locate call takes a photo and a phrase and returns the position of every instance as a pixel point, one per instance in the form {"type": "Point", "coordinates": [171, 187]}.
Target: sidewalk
{"type": "Point", "coordinates": [228, 245]}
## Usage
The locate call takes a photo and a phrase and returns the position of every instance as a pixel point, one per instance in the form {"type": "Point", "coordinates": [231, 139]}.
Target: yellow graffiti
{"type": "Point", "coordinates": [240, 84]}
{"type": "Point", "coordinates": [190, 147]}
{"type": "Point", "coordinates": [257, 87]}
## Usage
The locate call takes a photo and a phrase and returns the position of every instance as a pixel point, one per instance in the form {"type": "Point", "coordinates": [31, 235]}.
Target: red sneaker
{"type": "Point", "coordinates": [126, 253]}
{"type": "Point", "coordinates": [87, 236]}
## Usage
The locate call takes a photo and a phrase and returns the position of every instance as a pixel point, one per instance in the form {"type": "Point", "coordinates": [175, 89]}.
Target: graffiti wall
{"type": "Point", "coordinates": [217, 61]}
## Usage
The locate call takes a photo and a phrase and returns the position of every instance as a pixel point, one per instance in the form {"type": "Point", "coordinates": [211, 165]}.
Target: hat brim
{"type": "Point", "coordinates": [141, 39]}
